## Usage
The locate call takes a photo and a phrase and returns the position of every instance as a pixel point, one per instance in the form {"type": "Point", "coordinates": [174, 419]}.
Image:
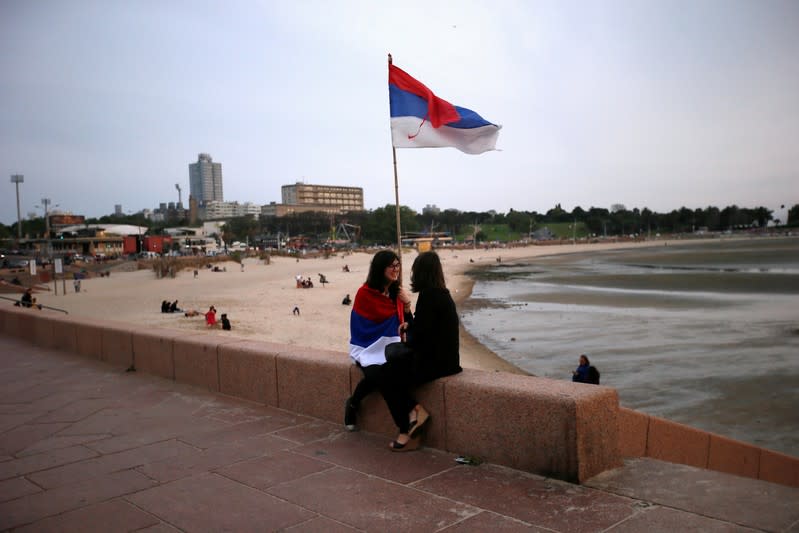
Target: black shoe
{"type": "Point", "coordinates": [350, 415]}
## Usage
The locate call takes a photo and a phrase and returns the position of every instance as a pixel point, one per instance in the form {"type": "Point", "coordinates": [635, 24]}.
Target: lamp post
{"type": "Point", "coordinates": [45, 204]}
{"type": "Point", "coordinates": [16, 179]}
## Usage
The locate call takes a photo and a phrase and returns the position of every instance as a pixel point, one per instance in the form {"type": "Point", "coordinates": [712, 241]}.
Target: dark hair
{"type": "Point", "coordinates": [426, 272]}
{"type": "Point", "coordinates": [376, 279]}
{"type": "Point", "coordinates": [587, 361]}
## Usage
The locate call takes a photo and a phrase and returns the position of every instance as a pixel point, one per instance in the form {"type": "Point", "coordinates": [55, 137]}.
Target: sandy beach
{"type": "Point", "coordinates": [259, 298]}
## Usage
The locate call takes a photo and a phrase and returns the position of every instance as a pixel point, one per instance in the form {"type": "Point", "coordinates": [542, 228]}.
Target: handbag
{"type": "Point", "coordinates": [398, 352]}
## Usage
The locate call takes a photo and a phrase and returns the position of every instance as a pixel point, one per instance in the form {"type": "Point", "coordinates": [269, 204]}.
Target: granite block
{"type": "Point", "coordinates": [197, 359]}
{"type": "Point", "coordinates": [117, 345]}
{"type": "Point", "coordinates": [89, 338]}
{"type": "Point", "coordinates": [733, 457]}
{"type": "Point", "coordinates": [153, 351]}
{"type": "Point", "coordinates": [633, 427]}
{"type": "Point", "coordinates": [677, 443]}
{"type": "Point", "coordinates": [65, 336]}
{"type": "Point", "coordinates": [196, 362]}
{"type": "Point", "coordinates": [549, 427]}
{"type": "Point", "coordinates": [20, 323]}
{"type": "Point", "coordinates": [313, 382]}
{"type": "Point", "coordinates": [779, 468]}
{"type": "Point", "coordinates": [248, 370]}
{"type": "Point", "coordinates": [42, 326]}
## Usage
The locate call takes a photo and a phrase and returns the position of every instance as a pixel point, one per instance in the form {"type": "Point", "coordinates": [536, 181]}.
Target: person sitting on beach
{"type": "Point", "coordinates": [347, 300]}
{"type": "Point", "coordinates": [191, 312]}
{"type": "Point", "coordinates": [225, 322]}
{"type": "Point", "coordinates": [585, 372]}
{"type": "Point", "coordinates": [210, 317]}
{"type": "Point", "coordinates": [173, 308]}
{"type": "Point", "coordinates": [164, 306]}
{"type": "Point", "coordinates": [27, 298]}
{"type": "Point", "coordinates": [345, 268]}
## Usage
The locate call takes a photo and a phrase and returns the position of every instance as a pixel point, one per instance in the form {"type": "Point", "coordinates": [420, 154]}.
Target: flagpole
{"type": "Point", "coordinates": [396, 193]}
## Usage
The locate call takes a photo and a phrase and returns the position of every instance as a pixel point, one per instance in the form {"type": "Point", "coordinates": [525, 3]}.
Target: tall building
{"type": "Point", "coordinates": [205, 180]}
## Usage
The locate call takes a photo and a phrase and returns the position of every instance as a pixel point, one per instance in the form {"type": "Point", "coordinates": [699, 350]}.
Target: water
{"type": "Point", "coordinates": [706, 335]}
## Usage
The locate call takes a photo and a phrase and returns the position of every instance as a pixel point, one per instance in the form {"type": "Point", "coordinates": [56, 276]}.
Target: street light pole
{"type": "Point", "coordinates": [46, 203]}
{"type": "Point", "coordinates": [16, 179]}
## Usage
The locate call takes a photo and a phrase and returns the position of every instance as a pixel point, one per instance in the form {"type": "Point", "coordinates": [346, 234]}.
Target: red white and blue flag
{"type": "Point", "coordinates": [374, 323]}
{"type": "Point", "coordinates": [420, 119]}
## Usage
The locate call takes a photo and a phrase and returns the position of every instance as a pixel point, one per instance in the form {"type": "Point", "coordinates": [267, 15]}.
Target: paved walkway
{"type": "Point", "coordinates": [84, 448]}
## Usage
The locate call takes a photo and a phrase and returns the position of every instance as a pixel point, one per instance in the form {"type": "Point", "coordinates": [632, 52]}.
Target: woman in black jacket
{"type": "Point", "coordinates": [433, 333]}
{"type": "Point", "coordinates": [433, 338]}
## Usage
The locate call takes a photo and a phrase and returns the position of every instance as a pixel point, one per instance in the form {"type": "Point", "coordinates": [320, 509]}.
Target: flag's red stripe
{"type": "Point", "coordinates": [439, 110]}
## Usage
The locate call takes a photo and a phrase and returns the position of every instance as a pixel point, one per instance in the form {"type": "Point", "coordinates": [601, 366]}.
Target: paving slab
{"type": "Point", "coordinates": [734, 499]}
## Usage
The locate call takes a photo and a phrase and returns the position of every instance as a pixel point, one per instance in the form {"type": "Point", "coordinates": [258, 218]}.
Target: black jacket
{"type": "Point", "coordinates": [434, 335]}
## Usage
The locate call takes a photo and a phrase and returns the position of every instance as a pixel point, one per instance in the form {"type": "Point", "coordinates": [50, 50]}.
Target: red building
{"type": "Point", "coordinates": [158, 244]}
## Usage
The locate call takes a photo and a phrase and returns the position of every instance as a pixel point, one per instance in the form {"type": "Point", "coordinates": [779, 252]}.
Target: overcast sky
{"type": "Point", "coordinates": [657, 104]}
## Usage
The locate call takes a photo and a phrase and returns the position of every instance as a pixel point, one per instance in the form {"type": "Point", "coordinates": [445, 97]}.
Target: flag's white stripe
{"type": "Point", "coordinates": [471, 140]}
{"type": "Point", "coordinates": [374, 354]}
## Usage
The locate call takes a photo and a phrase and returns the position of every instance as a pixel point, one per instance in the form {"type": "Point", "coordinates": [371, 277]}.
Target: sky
{"type": "Point", "coordinates": [658, 104]}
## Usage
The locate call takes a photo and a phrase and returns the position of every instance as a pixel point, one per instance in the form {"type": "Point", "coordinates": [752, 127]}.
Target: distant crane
{"type": "Point", "coordinates": [180, 198]}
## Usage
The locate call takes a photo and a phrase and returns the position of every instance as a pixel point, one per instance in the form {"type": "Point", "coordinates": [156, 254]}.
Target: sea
{"type": "Point", "coordinates": [702, 333]}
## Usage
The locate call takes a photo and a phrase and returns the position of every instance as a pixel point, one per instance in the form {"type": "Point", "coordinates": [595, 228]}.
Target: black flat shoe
{"type": "Point", "coordinates": [350, 415]}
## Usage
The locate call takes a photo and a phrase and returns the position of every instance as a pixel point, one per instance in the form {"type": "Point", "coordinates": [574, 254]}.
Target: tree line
{"type": "Point", "coordinates": [378, 226]}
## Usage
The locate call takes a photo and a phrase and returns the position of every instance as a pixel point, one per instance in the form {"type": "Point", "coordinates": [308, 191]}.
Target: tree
{"type": "Point", "coordinates": [762, 216]}
{"type": "Point", "coordinates": [793, 216]}
{"type": "Point", "coordinates": [241, 229]}
{"type": "Point", "coordinates": [519, 221]}
{"type": "Point", "coordinates": [558, 214]}
{"type": "Point", "coordinates": [381, 226]}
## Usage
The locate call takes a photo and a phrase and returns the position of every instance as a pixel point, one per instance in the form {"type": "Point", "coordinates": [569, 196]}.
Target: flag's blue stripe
{"type": "Point", "coordinates": [405, 104]}
{"type": "Point", "coordinates": [365, 332]}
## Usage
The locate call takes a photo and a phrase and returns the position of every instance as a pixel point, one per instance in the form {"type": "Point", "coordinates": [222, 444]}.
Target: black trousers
{"type": "Point", "coordinates": [393, 380]}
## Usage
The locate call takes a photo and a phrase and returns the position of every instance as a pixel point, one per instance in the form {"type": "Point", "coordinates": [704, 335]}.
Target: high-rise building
{"type": "Point", "coordinates": [205, 180]}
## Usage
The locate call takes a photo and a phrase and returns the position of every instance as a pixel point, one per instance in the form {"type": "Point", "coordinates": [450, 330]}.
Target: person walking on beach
{"type": "Point", "coordinates": [380, 306]}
